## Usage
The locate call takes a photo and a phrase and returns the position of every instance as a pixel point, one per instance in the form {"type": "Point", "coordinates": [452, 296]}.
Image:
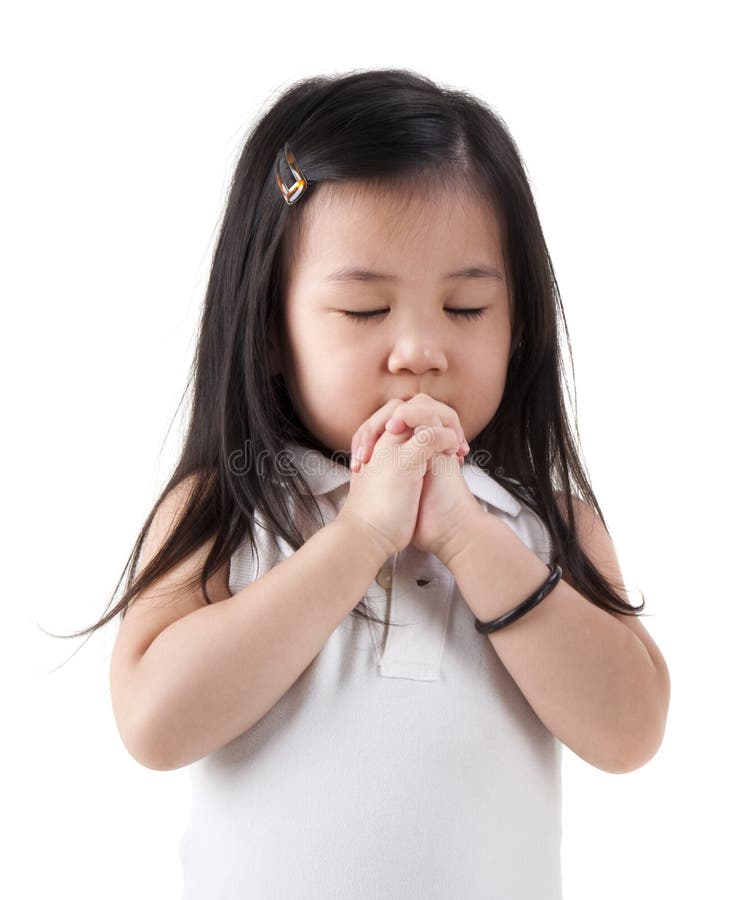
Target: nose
{"type": "Point", "coordinates": [417, 354]}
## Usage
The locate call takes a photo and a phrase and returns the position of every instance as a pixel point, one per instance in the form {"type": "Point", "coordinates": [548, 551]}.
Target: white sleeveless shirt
{"type": "Point", "coordinates": [412, 768]}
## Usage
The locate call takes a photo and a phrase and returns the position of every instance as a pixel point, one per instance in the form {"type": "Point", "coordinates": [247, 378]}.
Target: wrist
{"type": "Point", "coordinates": [366, 537]}
{"type": "Point", "coordinates": [459, 540]}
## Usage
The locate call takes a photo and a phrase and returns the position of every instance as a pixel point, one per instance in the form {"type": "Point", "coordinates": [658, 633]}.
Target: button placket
{"type": "Point", "coordinates": [418, 599]}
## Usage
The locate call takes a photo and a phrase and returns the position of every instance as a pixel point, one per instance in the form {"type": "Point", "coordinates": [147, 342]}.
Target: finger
{"type": "Point", "coordinates": [428, 442]}
{"type": "Point", "coordinates": [436, 439]}
{"type": "Point", "coordinates": [463, 447]}
{"type": "Point", "coordinates": [395, 425]}
{"type": "Point", "coordinates": [369, 431]}
{"type": "Point", "coordinates": [411, 412]}
{"type": "Point", "coordinates": [362, 455]}
{"type": "Point", "coordinates": [391, 416]}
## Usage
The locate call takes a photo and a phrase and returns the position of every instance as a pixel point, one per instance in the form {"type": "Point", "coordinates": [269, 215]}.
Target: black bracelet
{"type": "Point", "coordinates": [522, 608]}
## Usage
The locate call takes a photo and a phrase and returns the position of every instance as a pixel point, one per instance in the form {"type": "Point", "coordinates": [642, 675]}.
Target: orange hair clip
{"type": "Point", "coordinates": [293, 193]}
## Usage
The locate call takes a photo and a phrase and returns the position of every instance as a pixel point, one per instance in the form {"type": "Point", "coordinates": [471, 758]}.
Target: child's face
{"type": "Point", "coordinates": [339, 370]}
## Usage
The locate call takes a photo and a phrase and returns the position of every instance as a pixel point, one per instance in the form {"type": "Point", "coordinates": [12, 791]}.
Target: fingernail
{"type": "Point", "coordinates": [465, 447]}
{"type": "Point", "coordinates": [357, 457]}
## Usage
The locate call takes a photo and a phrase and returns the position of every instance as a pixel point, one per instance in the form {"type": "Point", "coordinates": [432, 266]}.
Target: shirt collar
{"type": "Point", "coordinates": [324, 475]}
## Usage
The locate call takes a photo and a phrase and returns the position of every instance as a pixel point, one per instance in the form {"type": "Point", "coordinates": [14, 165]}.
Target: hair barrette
{"type": "Point", "coordinates": [293, 193]}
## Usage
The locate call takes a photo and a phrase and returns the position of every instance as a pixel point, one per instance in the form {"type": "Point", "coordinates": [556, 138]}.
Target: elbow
{"type": "Point", "coordinates": [153, 751]}
{"type": "Point", "coordinates": [142, 750]}
{"type": "Point", "coordinates": [630, 762]}
{"type": "Point", "coordinates": [146, 746]}
{"type": "Point", "coordinates": [148, 758]}
{"type": "Point", "coordinates": [639, 749]}
{"type": "Point", "coordinates": [150, 737]}
{"type": "Point", "coordinates": [627, 756]}
{"type": "Point", "coordinates": [133, 717]}
{"type": "Point", "coordinates": [151, 756]}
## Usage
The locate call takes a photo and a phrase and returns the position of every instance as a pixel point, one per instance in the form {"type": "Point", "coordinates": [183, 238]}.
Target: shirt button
{"type": "Point", "coordinates": [383, 578]}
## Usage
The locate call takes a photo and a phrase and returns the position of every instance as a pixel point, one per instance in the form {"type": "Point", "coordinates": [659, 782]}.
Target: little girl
{"type": "Point", "coordinates": [377, 596]}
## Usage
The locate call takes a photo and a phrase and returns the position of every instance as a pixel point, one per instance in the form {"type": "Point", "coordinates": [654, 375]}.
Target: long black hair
{"type": "Point", "coordinates": [381, 127]}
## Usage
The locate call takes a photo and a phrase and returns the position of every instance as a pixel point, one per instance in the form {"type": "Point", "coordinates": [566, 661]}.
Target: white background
{"type": "Point", "coordinates": [122, 126]}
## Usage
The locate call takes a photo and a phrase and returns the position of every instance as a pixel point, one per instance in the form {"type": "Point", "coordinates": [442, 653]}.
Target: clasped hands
{"type": "Point", "coordinates": [446, 503]}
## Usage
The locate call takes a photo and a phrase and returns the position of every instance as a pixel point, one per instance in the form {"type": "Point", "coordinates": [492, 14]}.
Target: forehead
{"type": "Point", "coordinates": [434, 227]}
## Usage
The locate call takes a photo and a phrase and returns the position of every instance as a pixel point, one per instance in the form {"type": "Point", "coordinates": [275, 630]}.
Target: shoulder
{"type": "Point", "coordinates": [175, 504]}
{"type": "Point", "coordinates": [594, 540]}
{"type": "Point", "coordinates": [176, 500]}
{"type": "Point", "coordinates": [585, 516]}
{"type": "Point", "coordinates": [169, 511]}
{"type": "Point", "coordinates": [599, 548]}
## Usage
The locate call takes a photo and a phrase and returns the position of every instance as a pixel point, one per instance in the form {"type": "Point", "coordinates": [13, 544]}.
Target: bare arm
{"type": "Point", "coordinates": [602, 689]}
{"type": "Point", "coordinates": [215, 672]}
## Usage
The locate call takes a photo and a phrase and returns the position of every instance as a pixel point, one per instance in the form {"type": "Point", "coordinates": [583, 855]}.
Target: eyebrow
{"type": "Point", "coordinates": [350, 273]}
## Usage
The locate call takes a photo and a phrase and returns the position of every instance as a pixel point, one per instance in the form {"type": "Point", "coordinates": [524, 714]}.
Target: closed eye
{"type": "Point", "coordinates": [373, 313]}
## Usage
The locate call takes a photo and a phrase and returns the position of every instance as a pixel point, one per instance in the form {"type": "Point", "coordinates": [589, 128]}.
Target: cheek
{"type": "Point", "coordinates": [486, 353]}
{"type": "Point", "coordinates": [330, 372]}
{"type": "Point", "coordinates": [484, 368]}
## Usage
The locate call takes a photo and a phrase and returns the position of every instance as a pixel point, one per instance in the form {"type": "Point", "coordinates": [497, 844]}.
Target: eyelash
{"type": "Point", "coordinates": [372, 314]}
